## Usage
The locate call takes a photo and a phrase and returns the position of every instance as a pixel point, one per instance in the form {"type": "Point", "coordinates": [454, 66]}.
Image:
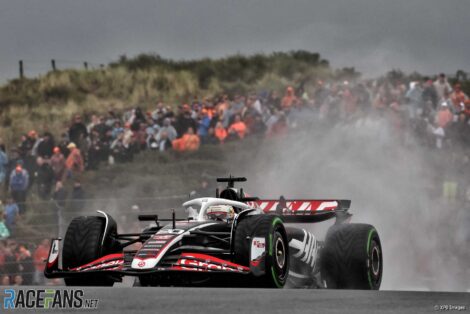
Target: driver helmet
{"type": "Point", "coordinates": [220, 212]}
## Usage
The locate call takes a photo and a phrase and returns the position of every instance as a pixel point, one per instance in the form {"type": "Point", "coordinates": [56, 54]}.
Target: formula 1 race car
{"type": "Point", "coordinates": [227, 240]}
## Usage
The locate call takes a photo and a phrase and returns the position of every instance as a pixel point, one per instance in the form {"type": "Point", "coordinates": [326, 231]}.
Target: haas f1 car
{"type": "Point", "coordinates": [227, 240]}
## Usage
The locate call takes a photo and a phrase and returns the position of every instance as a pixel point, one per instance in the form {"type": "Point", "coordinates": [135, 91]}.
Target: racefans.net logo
{"type": "Point", "coordinates": [47, 299]}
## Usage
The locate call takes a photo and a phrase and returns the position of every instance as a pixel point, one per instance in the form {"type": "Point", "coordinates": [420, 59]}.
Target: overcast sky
{"type": "Point", "coordinates": [429, 36]}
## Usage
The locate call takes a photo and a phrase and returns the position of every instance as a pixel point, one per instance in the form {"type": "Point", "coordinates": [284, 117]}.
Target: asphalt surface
{"type": "Point", "coordinates": [286, 301]}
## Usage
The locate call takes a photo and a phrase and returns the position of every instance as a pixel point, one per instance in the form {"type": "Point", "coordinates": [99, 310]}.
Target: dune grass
{"type": "Point", "coordinates": [48, 102]}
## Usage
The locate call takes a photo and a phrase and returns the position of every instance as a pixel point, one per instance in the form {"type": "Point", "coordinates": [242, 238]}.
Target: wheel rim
{"type": "Point", "coordinates": [375, 261]}
{"type": "Point", "coordinates": [280, 253]}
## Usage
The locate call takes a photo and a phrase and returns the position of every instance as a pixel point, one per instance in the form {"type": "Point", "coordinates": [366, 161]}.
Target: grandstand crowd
{"type": "Point", "coordinates": [429, 112]}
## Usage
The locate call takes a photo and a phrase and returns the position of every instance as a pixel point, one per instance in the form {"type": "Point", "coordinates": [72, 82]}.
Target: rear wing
{"type": "Point", "coordinates": [304, 210]}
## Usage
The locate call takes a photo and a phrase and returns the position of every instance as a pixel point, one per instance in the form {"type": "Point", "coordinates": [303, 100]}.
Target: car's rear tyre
{"type": "Point", "coordinates": [352, 257]}
{"type": "Point", "coordinates": [82, 245]}
{"type": "Point", "coordinates": [276, 259]}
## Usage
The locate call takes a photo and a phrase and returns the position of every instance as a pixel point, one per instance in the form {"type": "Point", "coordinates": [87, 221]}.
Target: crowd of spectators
{"type": "Point", "coordinates": [430, 111]}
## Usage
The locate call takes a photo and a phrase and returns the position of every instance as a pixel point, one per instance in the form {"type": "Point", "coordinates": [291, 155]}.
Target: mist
{"type": "Point", "coordinates": [422, 239]}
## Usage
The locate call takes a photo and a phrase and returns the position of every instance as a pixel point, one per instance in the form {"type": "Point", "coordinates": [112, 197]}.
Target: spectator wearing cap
{"type": "Point", "coordinates": [74, 163]}
{"type": "Point", "coordinates": [19, 182]}
{"type": "Point", "coordinates": [58, 164]}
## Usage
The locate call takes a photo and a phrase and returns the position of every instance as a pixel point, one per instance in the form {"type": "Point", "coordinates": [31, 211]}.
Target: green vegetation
{"type": "Point", "coordinates": [49, 101]}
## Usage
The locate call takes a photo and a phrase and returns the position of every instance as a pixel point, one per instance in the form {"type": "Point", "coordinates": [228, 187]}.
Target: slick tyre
{"type": "Point", "coordinates": [352, 257]}
{"type": "Point", "coordinates": [82, 245]}
{"type": "Point", "coordinates": [276, 258]}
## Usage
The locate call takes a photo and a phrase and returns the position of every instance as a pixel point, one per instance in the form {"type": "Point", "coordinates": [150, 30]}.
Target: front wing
{"type": "Point", "coordinates": [119, 264]}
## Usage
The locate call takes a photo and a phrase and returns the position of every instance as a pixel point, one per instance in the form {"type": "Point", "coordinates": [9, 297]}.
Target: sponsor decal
{"type": "Point", "coordinates": [258, 250]}
{"type": "Point", "coordinates": [163, 236]}
{"type": "Point", "coordinates": [152, 248]}
{"type": "Point", "coordinates": [102, 265]}
{"type": "Point", "coordinates": [202, 262]}
{"type": "Point", "coordinates": [307, 249]}
{"type": "Point", "coordinates": [144, 263]}
{"type": "Point", "coordinates": [47, 299]}
{"type": "Point", "coordinates": [103, 262]}
{"type": "Point", "coordinates": [54, 253]}
{"type": "Point", "coordinates": [293, 207]}
{"type": "Point", "coordinates": [153, 256]}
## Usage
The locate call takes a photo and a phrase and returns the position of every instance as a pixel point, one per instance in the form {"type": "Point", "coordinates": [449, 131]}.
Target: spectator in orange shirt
{"type": "Point", "coordinates": [444, 116]}
{"type": "Point", "coordinates": [74, 162]}
{"type": "Point", "coordinates": [237, 128]}
{"type": "Point", "coordinates": [188, 142]}
{"type": "Point", "coordinates": [289, 98]}
{"type": "Point", "coordinates": [58, 164]}
{"type": "Point", "coordinates": [220, 132]}
{"type": "Point", "coordinates": [40, 255]}
{"type": "Point", "coordinates": [458, 98]}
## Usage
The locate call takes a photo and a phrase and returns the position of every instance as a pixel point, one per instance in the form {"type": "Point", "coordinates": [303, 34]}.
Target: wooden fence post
{"type": "Point", "coordinates": [21, 69]}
